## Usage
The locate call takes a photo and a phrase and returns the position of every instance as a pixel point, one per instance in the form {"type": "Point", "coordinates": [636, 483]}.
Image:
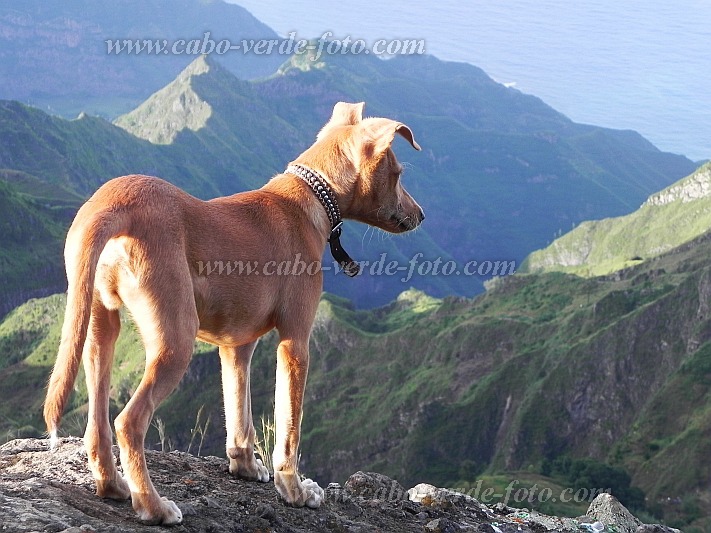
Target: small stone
{"type": "Point", "coordinates": [420, 491]}
{"type": "Point", "coordinates": [211, 503]}
{"type": "Point", "coordinates": [242, 499]}
{"type": "Point", "coordinates": [429, 495]}
{"type": "Point", "coordinates": [255, 523]}
{"type": "Point", "coordinates": [266, 511]}
{"type": "Point", "coordinates": [441, 525]}
{"type": "Point", "coordinates": [188, 509]}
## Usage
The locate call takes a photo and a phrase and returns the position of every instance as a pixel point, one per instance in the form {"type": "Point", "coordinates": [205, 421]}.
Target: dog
{"type": "Point", "coordinates": [139, 241]}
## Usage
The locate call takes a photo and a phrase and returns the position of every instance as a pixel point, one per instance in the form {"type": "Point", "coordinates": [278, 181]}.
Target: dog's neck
{"type": "Point", "coordinates": [327, 198]}
{"type": "Point", "coordinates": [321, 189]}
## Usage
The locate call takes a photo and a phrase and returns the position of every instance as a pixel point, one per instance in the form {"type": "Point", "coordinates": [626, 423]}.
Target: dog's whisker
{"type": "Point", "coordinates": [368, 229]}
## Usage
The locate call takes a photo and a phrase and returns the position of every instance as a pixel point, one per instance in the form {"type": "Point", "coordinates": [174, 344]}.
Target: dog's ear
{"type": "Point", "coordinates": [380, 132]}
{"type": "Point", "coordinates": [344, 114]}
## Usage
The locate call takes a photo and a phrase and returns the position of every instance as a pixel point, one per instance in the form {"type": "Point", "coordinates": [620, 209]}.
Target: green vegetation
{"type": "Point", "coordinates": [612, 373]}
{"type": "Point", "coordinates": [594, 475]}
{"type": "Point", "coordinates": [527, 490]}
{"type": "Point", "coordinates": [668, 219]}
{"type": "Point", "coordinates": [31, 263]}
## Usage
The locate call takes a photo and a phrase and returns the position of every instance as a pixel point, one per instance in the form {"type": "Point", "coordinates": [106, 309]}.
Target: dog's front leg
{"type": "Point", "coordinates": [238, 413]}
{"type": "Point", "coordinates": [292, 368]}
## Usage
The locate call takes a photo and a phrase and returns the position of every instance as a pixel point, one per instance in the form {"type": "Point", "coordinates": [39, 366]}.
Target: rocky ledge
{"type": "Point", "coordinates": [42, 490]}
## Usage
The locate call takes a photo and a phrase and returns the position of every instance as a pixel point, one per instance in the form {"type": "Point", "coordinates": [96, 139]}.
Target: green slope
{"type": "Point", "coordinates": [79, 155]}
{"type": "Point", "coordinates": [614, 369]}
{"type": "Point", "coordinates": [667, 219]}
{"type": "Point", "coordinates": [31, 263]}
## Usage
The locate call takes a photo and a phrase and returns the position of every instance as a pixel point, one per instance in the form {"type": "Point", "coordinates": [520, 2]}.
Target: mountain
{"type": "Point", "coordinates": [494, 157]}
{"type": "Point", "coordinates": [54, 55]}
{"type": "Point", "coordinates": [667, 219]}
{"type": "Point", "coordinates": [611, 369]}
{"type": "Point", "coordinates": [507, 171]}
{"type": "Point", "coordinates": [501, 172]}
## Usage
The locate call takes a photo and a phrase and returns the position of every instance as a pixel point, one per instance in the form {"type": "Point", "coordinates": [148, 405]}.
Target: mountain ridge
{"type": "Point", "coordinates": [489, 195]}
{"type": "Point", "coordinates": [669, 218]}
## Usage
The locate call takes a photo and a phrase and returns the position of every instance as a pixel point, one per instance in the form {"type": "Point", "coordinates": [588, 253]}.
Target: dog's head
{"type": "Point", "coordinates": [356, 157]}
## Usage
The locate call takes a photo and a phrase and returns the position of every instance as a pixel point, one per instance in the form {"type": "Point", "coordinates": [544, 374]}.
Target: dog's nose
{"type": "Point", "coordinates": [422, 216]}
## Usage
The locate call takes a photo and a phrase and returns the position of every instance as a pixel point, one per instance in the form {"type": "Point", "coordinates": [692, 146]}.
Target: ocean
{"type": "Point", "coordinates": [632, 64]}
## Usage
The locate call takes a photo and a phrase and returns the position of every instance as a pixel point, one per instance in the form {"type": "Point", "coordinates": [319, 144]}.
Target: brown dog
{"type": "Point", "coordinates": [140, 241]}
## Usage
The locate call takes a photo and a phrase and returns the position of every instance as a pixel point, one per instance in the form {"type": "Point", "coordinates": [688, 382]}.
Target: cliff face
{"type": "Point", "coordinates": [42, 490]}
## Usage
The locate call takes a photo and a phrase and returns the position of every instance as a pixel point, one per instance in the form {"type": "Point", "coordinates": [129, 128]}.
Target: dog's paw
{"type": "Point", "coordinates": [247, 466]}
{"type": "Point", "coordinates": [296, 492]}
{"type": "Point", "coordinates": [262, 472]}
{"type": "Point", "coordinates": [167, 513]}
{"type": "Point", "coordinates": [114, 489]}
{"type": "Point", "coordinates": [316, 493]}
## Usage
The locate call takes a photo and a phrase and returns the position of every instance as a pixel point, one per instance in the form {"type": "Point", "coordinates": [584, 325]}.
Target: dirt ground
{"type": "Point", "coordinates": [52, 491]}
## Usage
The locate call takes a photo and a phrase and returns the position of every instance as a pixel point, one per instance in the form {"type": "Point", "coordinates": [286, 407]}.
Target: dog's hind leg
{"type": "Point", "coordinates": [98, 356]}
{"type": "Point", "coordinates": [168, 326]}
{"type": "Point", "coordinates": [292, 369]}
{"type": "Point", "coordinates": [238, 413]}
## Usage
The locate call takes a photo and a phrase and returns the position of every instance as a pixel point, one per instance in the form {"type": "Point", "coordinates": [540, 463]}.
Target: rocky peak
{"type": "Point", "coordinates": [174, 108]}
{"type": "Point", "coordinates": [696, 186]}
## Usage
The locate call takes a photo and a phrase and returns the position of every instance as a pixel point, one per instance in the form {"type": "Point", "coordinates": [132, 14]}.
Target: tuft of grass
{"type": "Point", "coordinates": [165, 443]}
{"type": "Point", "coordinates": [264, 444]}
{"type": "Point", "coordinates": [200, 428]}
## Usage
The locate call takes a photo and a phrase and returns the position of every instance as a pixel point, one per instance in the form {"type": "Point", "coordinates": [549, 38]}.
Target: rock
{"type": "Point", "coordinates": [608, 510]}
{"type": "Point", "coordinates": [430, 495]}
{"type": "Point", "coordinates": [374, 486]}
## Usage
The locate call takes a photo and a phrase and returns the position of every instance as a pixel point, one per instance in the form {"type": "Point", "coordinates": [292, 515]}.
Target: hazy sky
{"type": "Point", "coordinates": [638, 64]}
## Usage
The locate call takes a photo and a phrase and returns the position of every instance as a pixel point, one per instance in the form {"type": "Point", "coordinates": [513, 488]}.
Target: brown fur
{"type": "Point", "coordinates": [139, 240]}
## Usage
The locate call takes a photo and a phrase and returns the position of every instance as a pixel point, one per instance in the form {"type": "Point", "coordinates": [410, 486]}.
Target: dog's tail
{"type": "Point", "coordinates": [86, 240]}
